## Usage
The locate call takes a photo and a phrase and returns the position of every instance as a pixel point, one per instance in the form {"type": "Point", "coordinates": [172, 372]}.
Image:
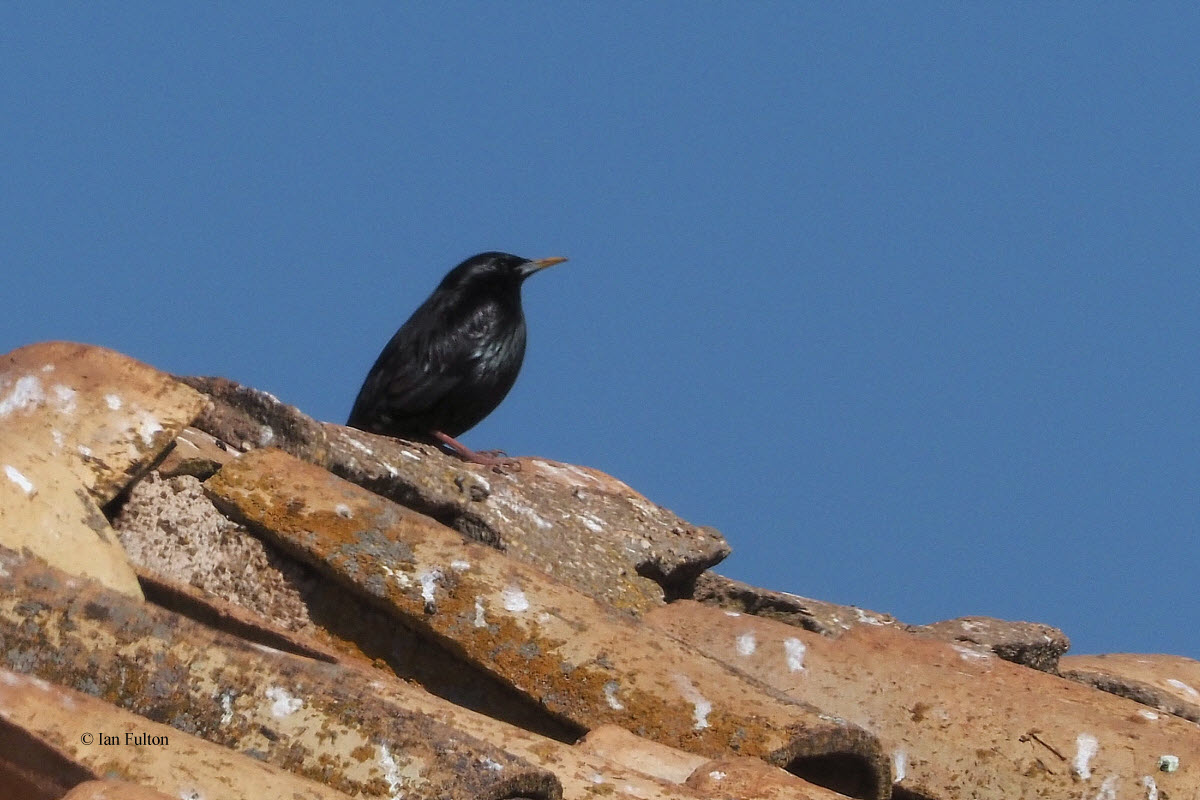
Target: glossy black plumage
{"type": "Point", "coordinates": [455, 358]}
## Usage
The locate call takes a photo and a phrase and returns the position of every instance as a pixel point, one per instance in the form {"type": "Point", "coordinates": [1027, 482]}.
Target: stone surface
{"type": "Point", "coordinates": [170, 528]}
{"type": "Point", "coordinates": [77, 425]}
{"type": "Point", "coordinates": [317, 720]}
{"type": "Point", "coordinates": [578, 659]}
{"type": "Point", "coordinates": [957, 722]}
{"type": "Point", "coordinates": [1168, 683]}
{"type": "Point", "coordinates": [185, 766]}
{"type": "Point", "coordinates": [1030, 643]}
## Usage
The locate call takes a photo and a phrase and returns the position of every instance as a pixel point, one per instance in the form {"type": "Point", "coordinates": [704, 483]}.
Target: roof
{"type": "Point", "coordinates": [232, 599]}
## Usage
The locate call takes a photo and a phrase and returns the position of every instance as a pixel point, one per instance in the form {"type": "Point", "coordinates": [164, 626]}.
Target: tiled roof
{"type": "Point", "coordinates": [232, 599]}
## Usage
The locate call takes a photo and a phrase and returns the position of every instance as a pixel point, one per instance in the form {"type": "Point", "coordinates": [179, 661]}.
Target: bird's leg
{"type": "Point", "coordinates": [488, 459]}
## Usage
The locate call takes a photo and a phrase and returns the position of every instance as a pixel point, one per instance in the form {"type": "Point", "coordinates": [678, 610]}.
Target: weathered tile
{"type": "Point", "coordinates": [103, 414]}
{"type": "Point", "coordinates": [818, 616]}
{"type": "Point", "coordinates": [582, 526]}
{"type": "Point", "coordinates": [1168, 683]}
{"type": "Point", "coordinates": [579, 659]}
{"type": "Point", "coordinates": [956, 721]}
{"type": "Point", "coordinates": [728, 776]}
{"type": "Point", "coordinates": [152, 757]}
{"type": "Point", "coordinates": [317, 720]}
{"type": "Point", "coordinates": [1029, 643]}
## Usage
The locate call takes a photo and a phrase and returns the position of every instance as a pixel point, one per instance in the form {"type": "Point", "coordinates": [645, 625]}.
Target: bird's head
{"type": "Point", "coordinates": [495, 269]}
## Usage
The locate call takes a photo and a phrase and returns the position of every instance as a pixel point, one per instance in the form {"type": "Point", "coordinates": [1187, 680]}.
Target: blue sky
{"type": "Point", "coordinates": [902, 298]}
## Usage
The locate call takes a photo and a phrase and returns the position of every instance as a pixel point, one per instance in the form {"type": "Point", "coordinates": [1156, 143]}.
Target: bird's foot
{"type": "Point", "coordinates": [498, 460]}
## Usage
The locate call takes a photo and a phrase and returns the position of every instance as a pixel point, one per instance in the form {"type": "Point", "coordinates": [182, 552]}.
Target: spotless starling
{"type": "Point", "coordinates": [455, 359]}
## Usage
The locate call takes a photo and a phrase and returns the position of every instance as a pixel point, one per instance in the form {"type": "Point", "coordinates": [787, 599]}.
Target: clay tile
{"type": "Point", "coordinates": [956, 721]}
{"type": "Point", "coordinates": [1167, 683]}
{"type": "Point", "coordinates": [315, 719]}
{"type": "Point", "coordinates": [113, 790]}
{"type": "Point", "coordinates": [585, 527]}
{"type": "Point", "coordinates": [751, 779]}
{"type": "Point", "coordinates": [818, 616]}
{"type": "Point", "coordinates": [630, 750]}
{"type": "Point", "coordinates": [578, 659]}
{"type": "Point", "coordinates": [102, 739]}
{"type": "Point", "coordinates": [1029, 643]}
{"type": "Point", "coordinates": [77, 424]}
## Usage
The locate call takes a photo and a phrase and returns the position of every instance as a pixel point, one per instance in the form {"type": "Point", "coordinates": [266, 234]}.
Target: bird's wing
{"type": "Point", "coordinates": [428, 363]}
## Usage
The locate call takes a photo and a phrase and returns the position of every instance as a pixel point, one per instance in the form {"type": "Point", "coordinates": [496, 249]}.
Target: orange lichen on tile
{"type": "Point", "coordinates": [577, 658]}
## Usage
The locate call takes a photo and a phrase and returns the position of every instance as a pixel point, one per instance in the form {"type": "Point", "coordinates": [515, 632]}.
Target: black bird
{"type": "Point", "coordinates": [455, 359]}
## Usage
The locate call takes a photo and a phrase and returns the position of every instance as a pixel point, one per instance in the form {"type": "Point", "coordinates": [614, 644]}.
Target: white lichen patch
{"type": "Point", "coordinates": [513, 599]}
{"type": "Point", "coordinates": [84, 451]}
{"type": "Point", "coordinates": [1086, 747]}
{"type": "Point", "coordinates": [20, 480]}
{"type": "Point", "coordinates": [493, 765]}
{"type": "Point", "coordinates": [971, 654]}
{"type": "Point", "coordinates": [266, 435]}
{"type": "Point", "coordinates": [1151, 787]}
{"type": "Point", "coordinates": [1168, 763]}
{"type": "Point", "coordinates": [459, 565]}
{"type": "Point", "coordinates": [899, 766]}
{"type": "Point", "coordinates": [360, 447]}
{"type": "Point", "coordinates": [1108, 789]}
{"type": "Point", "coordinates": [717, 775]}
{"type": "Point", "coordinates": [480, 613]}
{"type": "Point", "coordinates": [591, 522]}
{"type": "Point", "coordinates": [64, 398]}
{"type": "Point", "coordinates": [226, 708]}
{"type": "Point", "coordinates": [868, 618]}
{"type": "Point", "coordinates": [48, 368]}
{"type": "Point", "coordinates": [344, 511]}
{"type": "Point", "coordinates": [428, 579]}
{"type": "Point", "coordinates": [113, 401]}
{"type": "Point", "coordinates": [733, 613]}
{"type": "Point", "coordinates": [58, 438]}
{"type": "Point", "coordinates": [410, 455]}
{"type": "Point", "coordinates": [1183, 687]}
{"type": "Point", "coordinates": [746, 644]}
{"type": "Point", "coordinates": [26, 394]}
{"type": "Point", "coordinates": [401, 578]}
{"type": "Point", "coordinates": [283, 704]}
{"type": "Point", "coordinates": [610, 696]}
{"type": "Point", "coordinates": [391, 772]}
{"type": "Point", "coordinates": [701, 707]}
{"type": "Point", "coordinates": [793, 651]}
{"type": "Point", "coordinates": [1148, 714]}
{"type": "Point", "coordinates": [148, 425]}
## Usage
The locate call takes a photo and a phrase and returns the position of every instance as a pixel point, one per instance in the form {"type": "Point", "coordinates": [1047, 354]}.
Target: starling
{"type": "Point", "coordinates": [455, 359]}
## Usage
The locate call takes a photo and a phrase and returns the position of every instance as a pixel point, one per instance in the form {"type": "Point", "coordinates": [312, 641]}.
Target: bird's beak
{"type": "Point", "coordinates": [530, 267]}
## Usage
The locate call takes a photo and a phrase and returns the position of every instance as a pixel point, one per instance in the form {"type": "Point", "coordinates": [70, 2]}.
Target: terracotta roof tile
{"type": "Point", "coordinates": [286, 628]}
{"type": "Point", "coordinates": [957, 722]}
{"type": "Point", "coordinates": [576, 658]}
{"type": "Point", "coordinates": [1168, 683]}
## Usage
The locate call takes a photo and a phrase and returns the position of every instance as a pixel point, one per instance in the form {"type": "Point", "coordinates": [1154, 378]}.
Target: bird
{"type": "Point", "coordinates": [454, 360]}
